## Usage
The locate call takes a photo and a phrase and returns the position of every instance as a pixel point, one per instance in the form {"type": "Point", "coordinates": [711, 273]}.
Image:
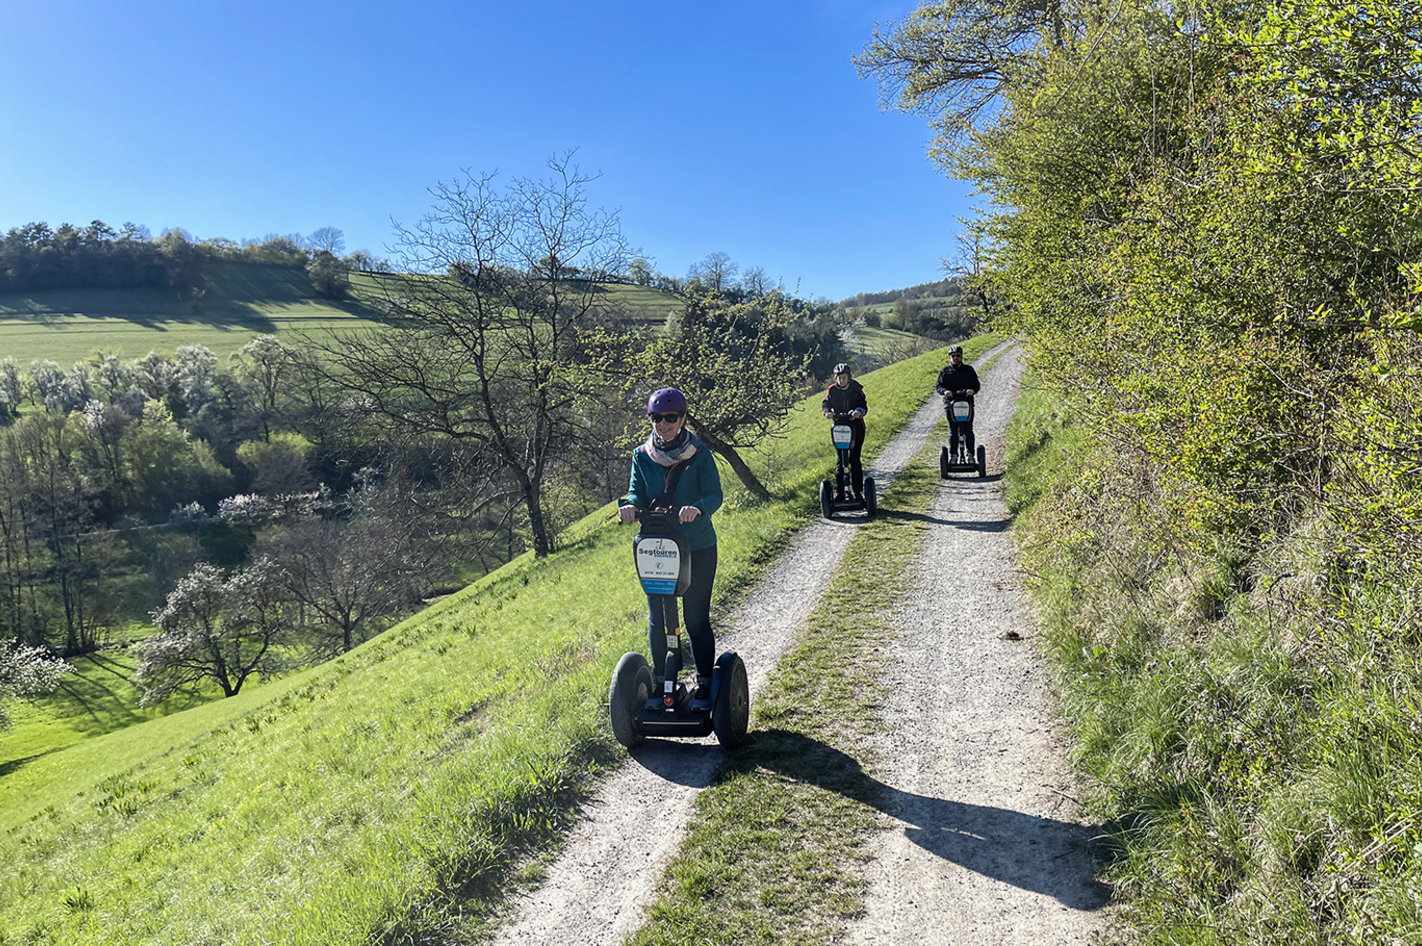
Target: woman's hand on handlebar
{"type": "Point", "coordinates": [688, 513]}
{"type": "Point", "coordinates": [627, 513]}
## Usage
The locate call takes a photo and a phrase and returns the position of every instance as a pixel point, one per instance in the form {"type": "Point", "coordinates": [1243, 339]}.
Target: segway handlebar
{"type": "Point", "coordinates": [846, 418]}
{"type": "Point", "coordinates": [669, 514]}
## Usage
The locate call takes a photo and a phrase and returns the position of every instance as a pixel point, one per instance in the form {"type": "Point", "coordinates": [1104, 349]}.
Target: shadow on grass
{"type": "Point", "coordinates": [14, 764]}
{"type": "Point", "coordinates": [1044, 855]}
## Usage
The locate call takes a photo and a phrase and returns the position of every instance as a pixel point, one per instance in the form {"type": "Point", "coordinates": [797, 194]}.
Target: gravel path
{"type": "Point", "coordinates": [595, 890]}
{"type": "Point", "coordinates": [986, 846]}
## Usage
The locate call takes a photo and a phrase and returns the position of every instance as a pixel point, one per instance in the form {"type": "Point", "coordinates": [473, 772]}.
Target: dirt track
{"type": "Point", "coordinates": [984, 845]}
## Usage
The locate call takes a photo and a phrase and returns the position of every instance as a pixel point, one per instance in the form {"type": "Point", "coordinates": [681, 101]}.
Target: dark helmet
{"type": "Point", "coordinates": [840, 368]}
{"type": "Point", "coordinates": [666, 401]}
{"type": "Point", "coordinates": [955, 349]}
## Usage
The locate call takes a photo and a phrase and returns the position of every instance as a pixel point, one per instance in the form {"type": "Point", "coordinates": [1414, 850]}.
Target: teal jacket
{"type": "Point", "coordinates": [700, 486]}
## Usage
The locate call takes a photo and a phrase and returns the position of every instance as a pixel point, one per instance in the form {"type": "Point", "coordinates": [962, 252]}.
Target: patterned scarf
{"type": "Point", "coordinates": [669, 453]}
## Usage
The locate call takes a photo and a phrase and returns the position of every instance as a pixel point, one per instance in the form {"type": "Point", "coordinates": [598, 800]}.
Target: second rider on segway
{"type": "Point", "coordinates": [845, 405]}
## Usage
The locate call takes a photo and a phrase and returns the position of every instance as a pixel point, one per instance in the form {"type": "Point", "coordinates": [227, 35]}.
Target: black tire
{"type": "Point", "coordinates": [982, 462]}
{"type": "Point", "coordinates": [943, 463]}
{"type": "Point", "coordinates": [730, 716]}
{"type": "Point", "coordinates": [630, 691]}
{"type": "Point", "coordinates": [871, 502]}
{"type": "Point", "coordinates": [826, 499]}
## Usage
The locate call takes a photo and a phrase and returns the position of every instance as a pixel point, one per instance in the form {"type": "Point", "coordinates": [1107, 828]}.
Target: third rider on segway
{"type": "Point", "coordinates": [958, 381]}
{"type": "Point", "coordinates": [846, 397]}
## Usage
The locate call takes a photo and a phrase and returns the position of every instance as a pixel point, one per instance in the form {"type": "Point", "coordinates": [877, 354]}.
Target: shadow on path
{"type": "Point", "coordinates": [1044, 855]}
{"type": "Point", "coordinates": [975, 525]}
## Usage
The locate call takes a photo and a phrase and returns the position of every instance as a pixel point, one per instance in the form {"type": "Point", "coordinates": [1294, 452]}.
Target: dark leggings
{"type": "Point", "coordinates": [856, 466]}
{"type": "Point", "coordinates": [966, 428]}
{"type": "Point", "coordinates": [696, 614]}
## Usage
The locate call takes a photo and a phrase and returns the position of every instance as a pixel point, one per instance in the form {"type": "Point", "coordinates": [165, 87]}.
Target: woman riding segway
{"type": "Point", "coordinates": [696, 490]}
{"type": "Point", "coordinates": [674, 490]}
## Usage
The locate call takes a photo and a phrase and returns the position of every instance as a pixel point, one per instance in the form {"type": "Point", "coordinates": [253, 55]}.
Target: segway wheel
{"type": "Point", "coordinates": [982, 462]}
{"type": "Point", "coordinates": [871, 503]}
{"type": "Point", "coordinates": [827, 499]}
{"type": "Point", "coordinates": [943, 463]}
{"type": "Point", "coordinates": [631, 688]}
{"type": "Point", "coordinates": [730, 715]}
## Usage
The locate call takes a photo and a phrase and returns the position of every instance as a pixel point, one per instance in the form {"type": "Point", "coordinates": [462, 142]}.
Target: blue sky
{"type": "Point", "coordinates": [735, 127]}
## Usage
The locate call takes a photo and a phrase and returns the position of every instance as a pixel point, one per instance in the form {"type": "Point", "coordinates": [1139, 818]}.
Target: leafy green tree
{"type": "Point", "coordinates": [261, 366]}
{"type": "Point", "coordinates": [640, 272]}
{"type": "Point", "coordinates": [163, 468]}
{"type": "Point", "coordinates": [733, 361]}
{"type": "Point", "coordinates": [330, 276]}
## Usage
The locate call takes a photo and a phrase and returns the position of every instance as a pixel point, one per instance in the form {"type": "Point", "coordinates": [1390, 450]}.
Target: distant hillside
{"type": "Point", "coordinates": [238, 301]}
{"type": "Point", "coordinates": [945, 309]}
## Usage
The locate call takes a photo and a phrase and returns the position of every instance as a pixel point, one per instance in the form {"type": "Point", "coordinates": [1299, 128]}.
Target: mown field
{"type": "Point", "coordinates": [386, 794]}
{"type": "Point", "coordinates": [241, 300]}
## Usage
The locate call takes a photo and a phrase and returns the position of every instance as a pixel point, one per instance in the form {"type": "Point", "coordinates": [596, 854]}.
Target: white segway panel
{"type": "Point", "coordinates": [843, 436]}
{"type": "Point", "coordinates": [961, 410]}
{"type": "Point", "coordinates": [658, 564]}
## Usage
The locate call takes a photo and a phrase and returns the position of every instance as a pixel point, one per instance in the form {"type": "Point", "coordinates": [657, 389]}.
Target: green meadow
{"type": "Point", "coordinates": [389, 794]}
{"type": "Point", "coordinates": [241, 300]}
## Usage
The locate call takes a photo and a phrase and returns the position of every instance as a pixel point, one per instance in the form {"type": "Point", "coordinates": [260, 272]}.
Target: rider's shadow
{"type": "Point", "coordinates": [1044, 855]}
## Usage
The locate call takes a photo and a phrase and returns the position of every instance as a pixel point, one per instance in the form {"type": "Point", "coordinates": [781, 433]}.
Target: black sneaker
{"type": "Point", "coordinates": [701, 698]}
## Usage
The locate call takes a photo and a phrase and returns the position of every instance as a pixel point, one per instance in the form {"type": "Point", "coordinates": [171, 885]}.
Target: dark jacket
{"type": "Point", "coordinates": [700, 486]}
{"type": "Point", "coordinates": [843, 400]}
{"type": "Point", "coordinates": [958, 378]}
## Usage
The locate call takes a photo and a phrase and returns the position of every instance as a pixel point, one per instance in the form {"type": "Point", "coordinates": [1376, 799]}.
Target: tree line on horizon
{"type": "Point", "coordinates": [36, 257]}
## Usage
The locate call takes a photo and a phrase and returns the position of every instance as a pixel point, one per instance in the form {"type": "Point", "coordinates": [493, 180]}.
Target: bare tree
{"type": "Point", "coordinates": [972, 261]}
{"type": "Point", "coordinates": [328, 239]}
{"type": "Point", "coordinates": [353, 576]}
{"type": "Point", "coordinates": [951, 60]}
{"type": "Point", "coordinates": [715, 271]}
{"type": "Point", "coordinates": [484, 346]}
{"type": "Point", "coordinates": [756, 282]}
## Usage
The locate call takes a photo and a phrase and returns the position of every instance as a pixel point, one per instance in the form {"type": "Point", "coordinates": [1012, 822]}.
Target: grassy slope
{"type": "Point", "coordinates": [98, 698]}
{"type": "Point", "coordinates": [877, 341]}
{"type": "Point", "coordinates": [348, 801]}
{"type": "Point", "coordinates": [242, 300]}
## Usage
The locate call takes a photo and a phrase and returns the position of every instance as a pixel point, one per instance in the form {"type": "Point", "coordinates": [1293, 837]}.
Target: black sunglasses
{"type": "Point", "coordinates": [663, 418]}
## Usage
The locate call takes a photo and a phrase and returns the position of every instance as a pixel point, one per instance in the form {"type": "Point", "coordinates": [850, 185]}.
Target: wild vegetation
{"type": "Point", "coordinates": [1205, 223]}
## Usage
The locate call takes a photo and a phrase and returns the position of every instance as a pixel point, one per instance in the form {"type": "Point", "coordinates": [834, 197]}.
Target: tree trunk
{"type": "Point", "coordinates": [743, 472]}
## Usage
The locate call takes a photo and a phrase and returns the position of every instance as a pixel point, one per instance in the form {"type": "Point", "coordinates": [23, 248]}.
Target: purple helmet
{"type": "Point", "coordinates": [666, 401]}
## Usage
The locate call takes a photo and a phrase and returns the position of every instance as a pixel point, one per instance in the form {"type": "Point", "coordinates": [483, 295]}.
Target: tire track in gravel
{"type": "Point", "coordinates": [986, 845]}
{"type": "Point", "coordinates": [595, 890]}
